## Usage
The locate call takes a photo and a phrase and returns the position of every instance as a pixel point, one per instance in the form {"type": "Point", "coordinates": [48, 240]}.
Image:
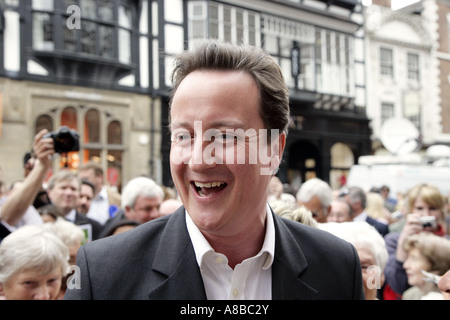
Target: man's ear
{"type": "Point", "coordinates": [127, 212]}
{"type": "Point", "coordinates": [277, 148]}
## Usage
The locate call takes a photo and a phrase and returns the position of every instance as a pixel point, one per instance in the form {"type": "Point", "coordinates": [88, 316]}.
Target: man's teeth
{"type": "Point", "coordinates": [208, 185]}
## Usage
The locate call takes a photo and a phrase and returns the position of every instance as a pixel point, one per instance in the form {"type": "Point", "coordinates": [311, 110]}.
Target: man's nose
{"type": "Point", "coordinates": [202, 156]}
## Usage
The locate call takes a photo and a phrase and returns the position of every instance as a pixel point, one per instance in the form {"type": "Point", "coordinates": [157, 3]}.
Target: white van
{"type": "Point", "coordinates": [399, 174]}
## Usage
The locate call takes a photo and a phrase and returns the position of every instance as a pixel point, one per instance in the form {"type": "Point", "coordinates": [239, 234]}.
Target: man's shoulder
{"type": "Point", "coordinates": [142, 236]}
{"type": "Point", "coordinates": [312, 237]}
{"type": "Point", "coordinates": [381, 227]}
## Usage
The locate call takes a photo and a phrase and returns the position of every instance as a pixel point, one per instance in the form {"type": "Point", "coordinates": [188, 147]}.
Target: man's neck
{"type": "Point", "coordinates": [240, 246]}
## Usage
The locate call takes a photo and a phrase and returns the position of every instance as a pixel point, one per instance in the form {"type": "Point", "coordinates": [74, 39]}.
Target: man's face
{"type": "Point", "coordinates": [314, 205]}
{"type": "Point", "coordinates": [85, 200]}
{"type": "Point", "coordinates": [64, 195]}
{"type": "Point", "coordinates": [221, 190]}
{"type": "Point", "coordinates": [89, 175]}
{"type": "Point", "coordinates": [339, 212]}
{"type": "Point", "coordinates": [144, 209]}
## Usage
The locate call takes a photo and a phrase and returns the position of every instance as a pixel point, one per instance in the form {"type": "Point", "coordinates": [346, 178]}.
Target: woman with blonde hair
{"type": "Point", "coordinates": [426, 207]}
{"type": "Point", "coordinates": [375, 207]}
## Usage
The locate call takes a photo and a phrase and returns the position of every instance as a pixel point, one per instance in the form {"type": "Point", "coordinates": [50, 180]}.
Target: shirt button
{"type": "Point", "coordinates": [235, 292]}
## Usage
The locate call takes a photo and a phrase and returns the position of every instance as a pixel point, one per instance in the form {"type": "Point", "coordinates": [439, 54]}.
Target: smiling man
{"type": "Point", "coordinates": [228, 120]}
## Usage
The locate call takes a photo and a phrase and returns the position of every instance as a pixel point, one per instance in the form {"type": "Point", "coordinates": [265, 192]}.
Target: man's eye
{"type": "Point", "coordinates": [182, 137]}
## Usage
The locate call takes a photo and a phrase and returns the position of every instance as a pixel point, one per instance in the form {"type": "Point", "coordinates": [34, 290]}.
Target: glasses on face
{"type": "Point", "coordinates": [344, 191]}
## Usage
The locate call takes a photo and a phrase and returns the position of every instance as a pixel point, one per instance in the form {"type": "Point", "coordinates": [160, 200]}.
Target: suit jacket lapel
{"type": "Point", "coordinates": [177, 275]}
{"type": "Point", "coordinates": [288, 264]}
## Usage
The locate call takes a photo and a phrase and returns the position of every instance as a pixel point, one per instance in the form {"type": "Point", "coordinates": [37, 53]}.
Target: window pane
{"type": "Point", "coordinates": [46, 5]}
{"type": "Point", "coordinates": [386, 67]}
{"type": "Point", "coordinates": [413, 67]}
{"type": "Point", "coordinates": [198, 31]}
{"type": "Point", "coordinates": [213, 30]}
{"type": "Point", "coordinates": [271, 44]}
{"type": "Point", "coordinates": [114, 133]}
{"type": "Point", "coordinates": [387, 111]}
{"type": "Point", "coordinates": [92, 155]}
{"type": "Point", "coordinates": [114, 172]}
{"type": "Point", "coordinates": [124, 17]}
{"type": "Point", "coordinates": [92, 126]}
{"type": "Point", "coordinates": [106, 40]}
{"type": "Point", "coordinates": [106, 10]}
{"type": "Point", "coordinates": [69, 118]}
{"type": "Point", "coordinates": [42, 31]}
{"type": "Point", "coordinates": [70, 36]}
{"type": "Point", "coordinates": [88, 37]}
{"type": "Point", "coordinates": [88, 9]}
{"type": "Point", "coordinates": [251, 20]}
{"type": "Point", "coordinates": [68, 3]}
{"type": "Point", "coordinates": [213, 12]}
{"type": "Point", "coordinates": [124, 46]}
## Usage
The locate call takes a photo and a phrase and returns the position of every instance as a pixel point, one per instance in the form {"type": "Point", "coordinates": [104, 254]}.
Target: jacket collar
{"type": "Point", "coordinates": [177, 275]}
{"type": "Point", "coordinates": [288, 266]}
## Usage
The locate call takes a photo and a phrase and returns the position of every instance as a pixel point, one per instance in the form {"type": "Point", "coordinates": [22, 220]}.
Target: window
{"type": "Point", "coordinates": [105, 28]}
{"type": "Point", "coordinates": [101, 137]}
{"type": "Point", "coordinates": [386, 63]}
{"type": "Point", "coordinates": [387, 111]}
{"type": "Point", "coordinates": [413, 67]}
{"type": "Point", "coordinates": [333, 67]}
{"type": "Point", "coordinates": [280, 37]}
{"type": "Point", "coordinates": [219, 21]}
{"type": "Point", "coordinates": [92, 126]}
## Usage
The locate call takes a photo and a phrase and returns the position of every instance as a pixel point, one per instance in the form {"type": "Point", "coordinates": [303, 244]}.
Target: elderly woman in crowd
{"type": "Point", "coordinates": [430, 253]}
{"type": "Point", "coordinates": [371, 250]}
{"type": "Point", "coordinates": [33, 262]}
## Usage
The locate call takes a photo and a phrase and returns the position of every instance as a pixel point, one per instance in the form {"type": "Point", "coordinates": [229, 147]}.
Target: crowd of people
{"type": "Point", "coordinates": [403, 234]}
{"type": "Point", "coordinates": [69, 209]}
{"type": "Point", "coordinates": [242, 234]}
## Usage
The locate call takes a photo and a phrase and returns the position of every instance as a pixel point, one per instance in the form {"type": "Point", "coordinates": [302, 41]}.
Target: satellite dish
{"type": "Point", "coordinates": [399, 136]}
{"type": "Point", "coordinates": [438, 151]}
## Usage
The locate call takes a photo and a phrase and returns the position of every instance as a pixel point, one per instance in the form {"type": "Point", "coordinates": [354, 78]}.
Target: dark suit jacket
{"type": "Point", "coordinates": [157, 261]}
{"type": "Point", "coordinates": [81, 219]}
{"type": "Point", "coordinates": [382, 228]}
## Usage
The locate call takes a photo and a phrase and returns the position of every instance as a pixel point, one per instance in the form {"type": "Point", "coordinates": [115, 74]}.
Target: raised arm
{"type": "Point", "coordinates": [21, 198]}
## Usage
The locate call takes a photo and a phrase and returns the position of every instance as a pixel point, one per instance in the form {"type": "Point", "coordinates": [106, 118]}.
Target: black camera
{"type": "Point", "coordinates": [65, 139]}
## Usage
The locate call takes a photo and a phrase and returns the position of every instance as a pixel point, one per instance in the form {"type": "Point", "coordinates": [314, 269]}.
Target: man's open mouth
{"type": "Point", "coordinates": [209, 188]}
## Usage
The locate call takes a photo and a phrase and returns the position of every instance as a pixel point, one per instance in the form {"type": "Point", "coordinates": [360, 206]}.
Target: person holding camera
{"type": "Point", "coordinates": [426, 205]}
{"type": "Point", "coordinates": [15, 211]}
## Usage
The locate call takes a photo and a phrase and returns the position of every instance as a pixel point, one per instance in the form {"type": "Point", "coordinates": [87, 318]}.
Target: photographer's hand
{"type": "Point", "coordinates": [43, 150]}
{"type": "Point", "coordinates": [20, 199]}
{"type": "Point", "coordinates": [412, 226]}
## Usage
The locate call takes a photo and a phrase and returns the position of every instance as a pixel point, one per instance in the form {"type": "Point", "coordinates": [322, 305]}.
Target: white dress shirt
{"type": "Point", "coordinates": [99, 209]}
{"type": "Point", "coordinates": [361, 217]}
{"type": "Point", "coordinates": [71, 216]}
{"type": "Point", "coordinates": [250, 280]}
